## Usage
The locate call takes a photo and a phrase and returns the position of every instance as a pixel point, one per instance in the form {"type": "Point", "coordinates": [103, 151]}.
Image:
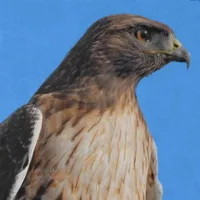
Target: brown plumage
{"type": "Point", "coordinates": [95, 144]}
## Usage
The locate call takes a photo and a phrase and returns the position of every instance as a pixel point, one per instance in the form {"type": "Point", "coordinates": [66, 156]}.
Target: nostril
{"type": "Point", "coordinates": [176, 45]}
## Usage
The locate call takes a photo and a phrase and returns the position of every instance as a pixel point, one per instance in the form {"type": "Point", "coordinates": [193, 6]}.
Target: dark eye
{"type": "Point", "coordinates": [143, 35]}
{"type": "Point", "coordinates": [166, 33]}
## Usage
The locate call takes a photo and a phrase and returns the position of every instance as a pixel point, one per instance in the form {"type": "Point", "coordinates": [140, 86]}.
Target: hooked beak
{"type": "Point", "coordinates": [174, 52]}
{"type": "Point", "coordinates": [179, 53]}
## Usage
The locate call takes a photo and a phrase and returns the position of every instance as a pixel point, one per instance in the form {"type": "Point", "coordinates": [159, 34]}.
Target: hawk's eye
{"type": "Point", "coordinates": [143, 35]}
{"type": "Point", "coordinates": [166, 33]}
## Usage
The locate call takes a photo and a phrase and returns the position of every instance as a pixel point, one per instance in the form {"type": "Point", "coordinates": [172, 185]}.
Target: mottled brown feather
{"type": "Point", "coordinates": [95, 144]}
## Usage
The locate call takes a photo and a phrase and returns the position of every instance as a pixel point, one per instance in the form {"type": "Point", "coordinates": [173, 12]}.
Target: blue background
{"type": "Point", "coordinates": [35, 35]}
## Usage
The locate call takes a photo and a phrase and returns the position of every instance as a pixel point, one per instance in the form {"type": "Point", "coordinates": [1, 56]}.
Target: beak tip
{"type": "Point", "coordinates": [188, 66]}
{"type": "Point", "coordinates": [182, 55]}
{"type": "Point", "coordinates": [188, 60]}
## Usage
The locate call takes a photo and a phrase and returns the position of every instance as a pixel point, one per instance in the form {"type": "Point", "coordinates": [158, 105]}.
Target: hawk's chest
{"type": "Point", "coordinates": [99, 156]}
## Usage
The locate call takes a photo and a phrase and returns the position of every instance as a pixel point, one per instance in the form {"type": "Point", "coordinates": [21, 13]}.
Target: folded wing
{"type": "Point", "coordinates": [18, 137]}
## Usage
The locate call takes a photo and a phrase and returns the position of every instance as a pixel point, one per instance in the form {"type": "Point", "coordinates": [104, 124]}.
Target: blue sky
{"type": "Point", "coordinates": [35, 35]}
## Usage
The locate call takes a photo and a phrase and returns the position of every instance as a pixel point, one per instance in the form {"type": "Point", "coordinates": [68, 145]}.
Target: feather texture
{"type": "Point", "coordinates": [95, 155]}
{"type": "Point", "coordinates": [94, 143]}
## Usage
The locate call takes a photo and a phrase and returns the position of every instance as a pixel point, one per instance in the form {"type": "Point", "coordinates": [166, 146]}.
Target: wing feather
{"type": "Point", "coordinates": [18, 137]}
{"type": "Point", "coordinates": [154, 187]}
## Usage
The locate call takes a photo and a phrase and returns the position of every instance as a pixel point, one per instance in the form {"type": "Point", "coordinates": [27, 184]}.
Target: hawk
{"type": "Point", "coordinates": [82, 136]}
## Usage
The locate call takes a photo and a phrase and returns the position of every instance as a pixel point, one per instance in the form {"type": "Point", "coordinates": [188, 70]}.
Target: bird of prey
{"type": "Point", "coordinates": [89, 136]}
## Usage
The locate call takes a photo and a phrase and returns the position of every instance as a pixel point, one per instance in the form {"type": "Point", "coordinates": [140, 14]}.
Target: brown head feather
{"type": "Point", "coordinates": [108, 60]}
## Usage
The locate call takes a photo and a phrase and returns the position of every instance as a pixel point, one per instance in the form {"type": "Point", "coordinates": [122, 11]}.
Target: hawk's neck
{"type": "Point", "coordinates": [90, 152]}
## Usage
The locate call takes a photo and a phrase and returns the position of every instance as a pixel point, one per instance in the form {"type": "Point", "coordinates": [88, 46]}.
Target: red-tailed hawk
{"type": "Point", "coordinates": [93, 142]}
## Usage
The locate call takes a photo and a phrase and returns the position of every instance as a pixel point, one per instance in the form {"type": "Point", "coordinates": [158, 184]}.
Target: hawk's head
{"type": "Point", "coordinates": [118, 47]}
{"type": "Point", "coordinates": [134, 45]}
